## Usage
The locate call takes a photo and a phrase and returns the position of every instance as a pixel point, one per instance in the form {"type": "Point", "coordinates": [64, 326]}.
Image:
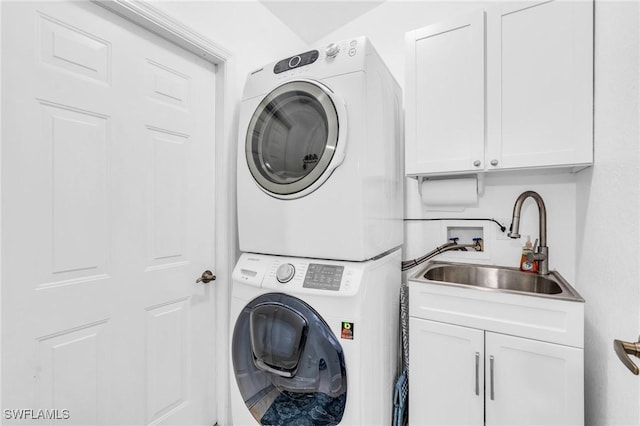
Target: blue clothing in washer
{"type": "Point", "coordinates": [305, 409]}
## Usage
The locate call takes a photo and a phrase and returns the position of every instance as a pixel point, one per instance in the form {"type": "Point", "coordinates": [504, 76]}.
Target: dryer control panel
{"type": "Point", "coordinates": [296, 61]}
{"type": "Point", "coordinates": [329, 53]}
{"type": "Point", "coordinates": [330, 60]}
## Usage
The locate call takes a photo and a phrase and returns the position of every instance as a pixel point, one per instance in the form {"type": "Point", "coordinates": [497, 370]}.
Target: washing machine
{"type": "Point", "coordinates": [314, 341]}
{"type": "Point", "coordinates": [320, 170]}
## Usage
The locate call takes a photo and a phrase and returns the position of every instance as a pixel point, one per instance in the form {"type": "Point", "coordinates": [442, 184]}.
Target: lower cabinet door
{"type": "Point", "coordinates": [446, 374]}
{"type": "Point", "coordinates": [529, 382]}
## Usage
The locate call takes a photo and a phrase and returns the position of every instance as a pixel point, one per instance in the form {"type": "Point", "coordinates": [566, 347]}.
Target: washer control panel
{"type": "Point", "coordinates": [323, 277]}
{"type": "Point", "coordinates": [295, 275]}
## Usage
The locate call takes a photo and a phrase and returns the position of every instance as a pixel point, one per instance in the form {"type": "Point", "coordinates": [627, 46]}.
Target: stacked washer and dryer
{"type": "Point", "coordinates": [314, 312]}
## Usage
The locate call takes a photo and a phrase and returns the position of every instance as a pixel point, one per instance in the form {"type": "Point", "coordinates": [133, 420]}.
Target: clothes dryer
{"type": "Point", "coordinates": [314, 341]}
{"type": "Point", "coordinates": [320, 156]}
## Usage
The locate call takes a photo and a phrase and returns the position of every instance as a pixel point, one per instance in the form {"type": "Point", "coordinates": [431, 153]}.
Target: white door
{"type": "Point", "coordinates": [107, 220]}
{"type": "Point", "coordinates": [446, 375]}
{"type": "Point", "coordinates": [530, 382]}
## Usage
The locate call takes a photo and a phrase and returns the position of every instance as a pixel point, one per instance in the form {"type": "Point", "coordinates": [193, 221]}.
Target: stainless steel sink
{"type": "Point", "coordinates": [498, 278]}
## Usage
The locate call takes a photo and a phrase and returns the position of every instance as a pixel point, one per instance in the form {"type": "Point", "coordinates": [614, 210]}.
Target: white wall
{"type": "Point", "coordinates": [253, 36]}
{"type": "Point", "coordinates": [246, 28]}
{"type": "Point", "coordinates": [609, 218]}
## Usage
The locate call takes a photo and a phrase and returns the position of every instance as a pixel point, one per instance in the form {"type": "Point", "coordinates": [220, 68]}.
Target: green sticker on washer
{"type": "Point", "coordinates": [346, 330]}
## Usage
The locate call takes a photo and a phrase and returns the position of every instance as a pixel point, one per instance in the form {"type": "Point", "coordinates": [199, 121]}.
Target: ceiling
{"type": "Point", "coordinates": [313, 19]}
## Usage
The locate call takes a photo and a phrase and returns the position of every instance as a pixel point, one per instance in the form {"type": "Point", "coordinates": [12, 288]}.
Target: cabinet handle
{"type": "Point", "coordinates": [491, 370]}
{"type": "Point", "coordinates": [494, 162]}
{"type": "Point", "coordinates": [477, 373]}
{"type": "Point", "coordinates": [477, 163]}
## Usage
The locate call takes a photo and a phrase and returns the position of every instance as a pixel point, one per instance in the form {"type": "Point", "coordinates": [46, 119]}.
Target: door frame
{"type": "Point", "coordinates": [152, 19]}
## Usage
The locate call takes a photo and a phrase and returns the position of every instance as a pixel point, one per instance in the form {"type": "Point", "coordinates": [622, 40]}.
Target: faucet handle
{"type": "Point", "coordinates": [531, 256]}
{"type": "Point", "coordinates": [454, 240]}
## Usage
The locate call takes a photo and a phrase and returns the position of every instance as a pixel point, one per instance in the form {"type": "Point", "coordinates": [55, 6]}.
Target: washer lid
{"type": "Point", "coordinates": [288, 363]}
{"type": "Point", "coordinates": [294, 138]}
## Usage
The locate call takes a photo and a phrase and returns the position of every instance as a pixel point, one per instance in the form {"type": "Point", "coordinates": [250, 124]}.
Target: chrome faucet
{"type": "Point", "coordinates": [542, 253]}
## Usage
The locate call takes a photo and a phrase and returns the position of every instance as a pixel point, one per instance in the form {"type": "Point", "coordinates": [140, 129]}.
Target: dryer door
{"type": "Point", "coordinates": [295, 138]}
{"type": "Point", "coordinates": [288, 363]}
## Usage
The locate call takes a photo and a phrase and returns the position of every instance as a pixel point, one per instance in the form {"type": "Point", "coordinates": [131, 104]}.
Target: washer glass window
{"type": "Point", "coordinates": [292, 137]}
{"type": "Point", "coordinates": [288, 364]}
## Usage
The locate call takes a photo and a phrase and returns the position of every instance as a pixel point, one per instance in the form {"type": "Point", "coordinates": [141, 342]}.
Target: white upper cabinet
{"type": "Point", "coordinates": [538, 90]}
{"type": "Point", "coordinates": [540, 85]}
{"type": "Point", "coordinates": [445, 97]}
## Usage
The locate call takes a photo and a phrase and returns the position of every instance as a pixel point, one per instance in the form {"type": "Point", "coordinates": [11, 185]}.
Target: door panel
{"type": "Point", "coordinates": [167, 215]}
{"type": "Point", "coordinates": [167, 378]}
{"type": "Point", "coordinates": [107, 219]}
{"type": "Point", "coordinates": [73, 50]}
{"type": "Point", "coordinates": [71, 363]}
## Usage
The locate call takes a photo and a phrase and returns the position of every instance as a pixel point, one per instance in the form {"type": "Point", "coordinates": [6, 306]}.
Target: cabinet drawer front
{"type": "Point", "coordinates": [537, 318]}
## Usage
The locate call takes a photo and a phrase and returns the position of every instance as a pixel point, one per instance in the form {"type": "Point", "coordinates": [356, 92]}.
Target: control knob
{"type": "Point", "coordinates": [332, 50]}
{"type": "Point", "coordinates": [285, 272]}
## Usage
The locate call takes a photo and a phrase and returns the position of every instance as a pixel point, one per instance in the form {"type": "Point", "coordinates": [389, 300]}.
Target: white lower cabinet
{"type": "Point", "coordinates": [467, 376]}
{"type": "Point", "coordinates": [446, 374]}
{"type": "Point", "coordinates": [532, 382]}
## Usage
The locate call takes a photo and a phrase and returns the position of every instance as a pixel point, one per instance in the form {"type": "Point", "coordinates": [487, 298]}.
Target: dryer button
{"type": "Point", "coordinates": [295, 61]}
{"type": "Point", "coordinates": [332, 50]}
{"type": "Point", "coordinates": [285, 273]}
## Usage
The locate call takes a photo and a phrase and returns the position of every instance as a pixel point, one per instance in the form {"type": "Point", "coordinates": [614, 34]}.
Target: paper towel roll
{"type": "Point", "coordinates": [456, 192]}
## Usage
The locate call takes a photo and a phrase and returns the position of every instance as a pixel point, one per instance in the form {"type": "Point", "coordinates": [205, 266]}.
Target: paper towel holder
{"type": "Point", "coordinates": [479, 181]}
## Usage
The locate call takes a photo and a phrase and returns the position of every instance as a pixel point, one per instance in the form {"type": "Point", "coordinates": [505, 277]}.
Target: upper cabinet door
{"type": "Point", "coordinates": [445, 117]}
{"type": "Point", "coordinates": [540, 84]}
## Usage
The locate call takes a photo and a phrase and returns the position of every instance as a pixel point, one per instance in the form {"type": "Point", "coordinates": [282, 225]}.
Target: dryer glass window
{"type": "Point", "coordinates": [292, 137]}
